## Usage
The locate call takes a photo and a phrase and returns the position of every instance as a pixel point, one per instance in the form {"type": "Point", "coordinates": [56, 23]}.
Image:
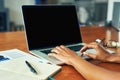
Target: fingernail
{"type": "Point", "coordinates": [49, 54]}
{"type": "Point", "coordinates": [84, 53]}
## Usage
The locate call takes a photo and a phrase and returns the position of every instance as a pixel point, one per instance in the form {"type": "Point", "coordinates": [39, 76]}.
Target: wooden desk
{"type": "Point", "coordinates": [10, 40]}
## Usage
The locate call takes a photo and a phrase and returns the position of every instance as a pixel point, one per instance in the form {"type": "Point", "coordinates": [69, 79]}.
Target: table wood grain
{"type": "Point", "coordinates": [11, 40]}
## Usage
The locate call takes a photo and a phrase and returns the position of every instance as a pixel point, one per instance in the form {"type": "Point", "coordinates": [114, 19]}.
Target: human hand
{"type": "Point", "coordinates": [101, 53]}
{"type": "Point", "coordinates": [64, 54]}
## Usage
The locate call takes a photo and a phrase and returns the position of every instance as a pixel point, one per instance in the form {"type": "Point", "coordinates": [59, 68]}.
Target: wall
{"type": "Point", "coordinates": [114, 13]}
{"type": "Point", "coordinates": [110, 9]}
{"type": "Point", "coordinates": [15, 11]}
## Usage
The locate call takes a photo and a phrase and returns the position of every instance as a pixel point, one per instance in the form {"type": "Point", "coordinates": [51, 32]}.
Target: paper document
{"type": "Point", "coordinates": [16, 69]}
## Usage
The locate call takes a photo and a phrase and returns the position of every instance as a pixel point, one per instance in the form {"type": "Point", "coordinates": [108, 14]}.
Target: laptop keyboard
{"type": "Point", "coordinates": [75, 48]}
{"type": "Point", "coordinates": [46, 51]}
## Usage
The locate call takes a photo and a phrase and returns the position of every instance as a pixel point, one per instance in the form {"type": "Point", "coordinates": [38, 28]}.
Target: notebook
{"type": "Point", "coordinates": [48, 26]}
{"type": "Point", "coordinates": [16, 68]}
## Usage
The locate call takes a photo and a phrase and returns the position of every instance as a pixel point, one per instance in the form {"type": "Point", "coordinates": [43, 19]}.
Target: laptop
{"type": "Point", "coordinates": [48, 26]}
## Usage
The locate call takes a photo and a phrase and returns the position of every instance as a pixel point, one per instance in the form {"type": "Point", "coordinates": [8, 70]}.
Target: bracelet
{"type": "Point", "coordinates": [114, 44]}
{"type": "Point", "coordinates": [118, 44]}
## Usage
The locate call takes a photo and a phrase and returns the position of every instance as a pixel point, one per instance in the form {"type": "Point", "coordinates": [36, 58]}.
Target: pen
{"type": "Point", "coordinates": [2, 58]}
{"type": "Point", "coordinates": [31, 67]}
{"type": "Point", "coordinates": [50, 78]}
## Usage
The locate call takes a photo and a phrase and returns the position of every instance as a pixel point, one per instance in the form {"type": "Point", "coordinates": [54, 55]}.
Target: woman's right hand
{"type": "Point", "coordinates": [101, 53]}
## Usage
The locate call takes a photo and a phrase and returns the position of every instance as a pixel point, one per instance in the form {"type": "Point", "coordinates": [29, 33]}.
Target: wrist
{"type": "Point", "coordinates": [75, 60]}
{"type": "Point", "coordinates": [113, 58]}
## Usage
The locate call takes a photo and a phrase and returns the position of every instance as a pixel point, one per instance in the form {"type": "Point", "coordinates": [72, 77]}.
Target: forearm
{"type": "Point", "coordinates": [93, 72]}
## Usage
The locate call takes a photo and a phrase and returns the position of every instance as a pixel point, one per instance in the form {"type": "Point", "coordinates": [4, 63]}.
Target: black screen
{"type": "Point", "coordinates": [51, 25]}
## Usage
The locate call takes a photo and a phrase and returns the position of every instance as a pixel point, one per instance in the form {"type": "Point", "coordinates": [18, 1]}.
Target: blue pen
{"type": "Point", "coordinates": [2, 58]}
{"type": "Point", "coordinates": [50, 78]}
{"type": "Point", "coordinates": [30, 67]}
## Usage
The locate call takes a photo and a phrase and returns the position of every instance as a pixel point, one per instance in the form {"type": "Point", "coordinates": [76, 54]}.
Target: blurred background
{"type": "Point", "coordinates": [90, 12]}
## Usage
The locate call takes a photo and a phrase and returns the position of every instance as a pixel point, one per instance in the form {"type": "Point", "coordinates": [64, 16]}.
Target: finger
{"type": "Point", "coordinates": [53, 54]}
{"type": "Point", "coordinates": [66, 49]}
{"type": "Point", "coordinates": [84, 48]}
{"type": "Point", "coordinates": [90, 55]}
{"type": "Point", "coordinates": [61, 49]}
{"type": "Point", "coordinates": [92, 45]}
{"type": "Point", "coordinates": [56, 50]}
{"type": "Point", "coordinates": [57, 56]}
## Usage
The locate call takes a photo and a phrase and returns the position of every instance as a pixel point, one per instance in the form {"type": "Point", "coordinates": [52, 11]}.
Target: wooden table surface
{"type": "Point", "coordinates": [11, 40]}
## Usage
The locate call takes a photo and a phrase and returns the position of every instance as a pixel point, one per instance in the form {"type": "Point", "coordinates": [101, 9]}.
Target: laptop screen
{"type": "Point", "coordinates": [50, 25]}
